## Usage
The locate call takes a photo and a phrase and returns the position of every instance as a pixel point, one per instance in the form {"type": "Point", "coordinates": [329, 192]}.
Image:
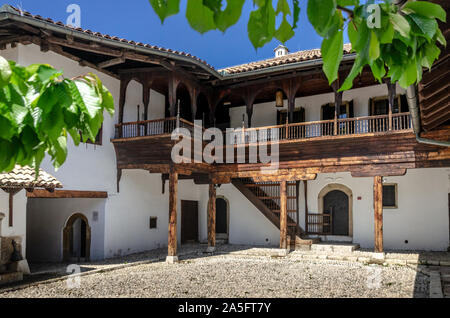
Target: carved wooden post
{"type": "Point", "coordinates": [146, 98]}
{"type": "Point", "coordinates": [173, 84]}
{"type": "Point", "coordinates": [193, 93]}
{"type": "Point", "coordinates": [212, 218]}
{"type": "Point", "coordinates": [392, 89]}
{"type": "Point", "coordinates": [337, 104]}
{"type": "Point", "coordinates": [287, 128]}
{"type": "Point", "coordinates": [378, 210]}
{"type": "Point", "coordinates": [283, 215]}
{"type": "Point", "coordinates": [173, 190]}
{"type": "Point", "coordinates": [122, 98]}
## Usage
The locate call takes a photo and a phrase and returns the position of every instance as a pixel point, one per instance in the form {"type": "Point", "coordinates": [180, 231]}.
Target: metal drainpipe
{"type": "Point", "coordinates": [415, 118]}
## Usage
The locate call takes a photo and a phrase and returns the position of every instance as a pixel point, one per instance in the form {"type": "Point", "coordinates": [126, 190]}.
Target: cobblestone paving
{"type": "Point", "coordinates": [234, 275]}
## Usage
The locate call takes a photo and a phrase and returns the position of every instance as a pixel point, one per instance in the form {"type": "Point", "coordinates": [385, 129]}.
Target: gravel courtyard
{"type": "Point", "coordinates": [242, 276]}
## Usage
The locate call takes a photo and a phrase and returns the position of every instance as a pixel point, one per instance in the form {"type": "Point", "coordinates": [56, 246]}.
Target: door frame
{"type": "Point", "coordinates": [222, 236]}
{"type": "Point", "coordinates": [66, 236]}
{"type": "Point", "coordinates": [340, 187]}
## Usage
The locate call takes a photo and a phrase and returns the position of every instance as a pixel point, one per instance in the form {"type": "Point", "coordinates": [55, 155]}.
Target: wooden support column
{"type": "Point", "coordinates": [146, 98]}
{"type": "Point", "coordinates": [193, 93]}
{"type": "Point", "coordinates": [283, 215]}
{"type": "Point", "coordinates": [392, 91]}
{"type": "Point", "coordinates": [122, 99]}
{"type": "Point", "coordinates": [212, 218]}
{"type": "Point", "coordinates": [172, 96]}
{"type": "Point", "coordinates": [378, 210]}
{"type": "Point", "coordinates": [11, 192]}
{"type": "Point", "coordinates": [173, 197]}
{"type": "Point", "coordinates": [337, 104]}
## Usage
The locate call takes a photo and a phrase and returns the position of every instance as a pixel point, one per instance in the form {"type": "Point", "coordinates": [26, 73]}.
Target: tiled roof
{"type": "Point", "coordinates": [300, 56]}
{"type": "Point", "coordinates": [98, 34]}
{"type": "Point", "coordinates": [24, 177]}
{"type": "Point", "coordinates": [295, 57]}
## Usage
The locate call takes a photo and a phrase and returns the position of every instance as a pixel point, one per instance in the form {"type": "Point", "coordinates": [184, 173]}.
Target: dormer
{"type": "Point", "coordinates": [281, 50]}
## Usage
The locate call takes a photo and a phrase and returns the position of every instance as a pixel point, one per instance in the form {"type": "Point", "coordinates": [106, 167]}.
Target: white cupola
{"type": "Point", "coordinates": [281, 50]}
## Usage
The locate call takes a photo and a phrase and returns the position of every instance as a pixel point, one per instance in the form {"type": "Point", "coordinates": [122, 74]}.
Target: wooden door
{"type": "Point", "coordinates": [336, 204]}
{"type": "Point", "coordinates": [221, 219]}
{"type": "Point", "coordinates": [189, 221]}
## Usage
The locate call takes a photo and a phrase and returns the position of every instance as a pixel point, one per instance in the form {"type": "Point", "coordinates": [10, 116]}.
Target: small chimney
{"type": "Point", "coordinates": [281, 50]}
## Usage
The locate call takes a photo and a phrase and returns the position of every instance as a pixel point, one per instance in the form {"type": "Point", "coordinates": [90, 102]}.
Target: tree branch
{"type": "Point", "coordinates": [346, 10]}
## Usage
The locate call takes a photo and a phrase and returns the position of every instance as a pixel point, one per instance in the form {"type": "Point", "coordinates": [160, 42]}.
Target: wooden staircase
{"type": "Point", "coordinates": [265, 196]}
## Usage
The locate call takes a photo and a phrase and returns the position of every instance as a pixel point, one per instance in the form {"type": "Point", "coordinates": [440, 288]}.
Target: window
{"type": "Point", "coordinates": [346, 111]}
{"type": "Point", "coordinates": [380, 105]}
{"type": "Point", "coordinates": [153, 222]}
{"type": "Point", "coordinates": [299, 116]}
{"type": "Point", "coordinates": [390, 196]}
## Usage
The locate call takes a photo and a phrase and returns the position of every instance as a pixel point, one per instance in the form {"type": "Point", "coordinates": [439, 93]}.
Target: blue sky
{"type": "Point", "coordinates": [135, 20]}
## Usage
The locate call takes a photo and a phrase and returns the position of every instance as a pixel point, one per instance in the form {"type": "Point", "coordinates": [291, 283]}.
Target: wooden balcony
{"type": "Point", "coordinates": [299, 131]}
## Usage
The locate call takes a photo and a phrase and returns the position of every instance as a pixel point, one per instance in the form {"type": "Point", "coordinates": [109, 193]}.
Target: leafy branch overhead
{"type": "Point", "coordinates": [39, 110]}
{"type": "Point", "coordinates": [395, 42]}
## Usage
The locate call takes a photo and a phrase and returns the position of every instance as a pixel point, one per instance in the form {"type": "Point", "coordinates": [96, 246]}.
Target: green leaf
{"type": "Point", "coordinates": [427, 9]}
{"type": "Point", "coordinates": [374, 47]}
{"type": "Point", "coordinates": [230, 16]}
{"type": "Point", "coordinates": [5, 72]}
{"type": "Point", "coordinates": [320, 14]}
{"type": "Point", "coordinates": [426, 26]}
{"type": "Point", "coordinates": [346, 3]}
{"type": "Point", "coordinates": [200, 17]}
{"type": "Point", "coordinates": [284, 32]}
{"type": "Point", "coordinates": [378, 69]}
{"type": "Point", "coordinates": [332, 53]}
{"type": "Point", "coordinates": [432, 53]}
{"type": "Point", "coordinates": [261, 24]}
{"type": "Point", "coordinates": [296, 14]}
{"type": "Point", "coordinates": [409, 75]}
{"type": "Point", "coordinates": [400, 24]}
{"type": "Point", "coordinates": [387, 35]}
{"type": "Point", "coordinates": [165, 8]}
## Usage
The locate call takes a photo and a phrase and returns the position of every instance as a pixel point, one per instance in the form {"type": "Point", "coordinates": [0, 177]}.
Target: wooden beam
{"type": "Point", "coordinates": [283, 215]}
{"type": "Point", "coordinates": [212, 218]}
{"type": "Point", "coordinates": [173, 197]}
{"type": "Point", "coordinates": [67, 194]}
{"type": "Point", "coordinates": [378, 210]}
{"type": "Point", "coordinates": [112, 62]}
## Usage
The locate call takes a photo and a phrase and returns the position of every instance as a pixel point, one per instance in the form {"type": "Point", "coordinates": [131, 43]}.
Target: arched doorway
{"type": "Point", "coordinates": [337, 201]}
{"type": "Point", "coordinates": [77, 239]}
{"type": "Point", "coordinates": [222, 219]}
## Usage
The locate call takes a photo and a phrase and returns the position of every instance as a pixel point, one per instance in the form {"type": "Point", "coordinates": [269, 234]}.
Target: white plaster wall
{"type": "Point", "coordinates": [247, 224]}
{"type": "Point", "coordinates": [47, 219]}
{"type": "Point", "coordinates": [128, 230]}
{"type": "Point", "coordinates": [422, 216]}
{"type": "Point", "coordinates": [265, 114]}
{"type": "Point", "coordinates": [19, 217]}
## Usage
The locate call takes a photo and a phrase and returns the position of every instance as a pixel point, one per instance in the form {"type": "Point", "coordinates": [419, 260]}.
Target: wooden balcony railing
{"type": "Point", "coordinates": [340, 127]}
{"type": "Point", "coordinates": [297, 131]}
{"type": "Point", "coordinates": [151, 127]}
{"type": "Point", "coordinates": [320, 224]}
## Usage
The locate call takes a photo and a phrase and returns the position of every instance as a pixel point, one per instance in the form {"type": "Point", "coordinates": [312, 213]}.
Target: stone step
{"type": "Point", "coordinates": [334, 247]}
{"type": "Point", "coordinates": [7, 278]}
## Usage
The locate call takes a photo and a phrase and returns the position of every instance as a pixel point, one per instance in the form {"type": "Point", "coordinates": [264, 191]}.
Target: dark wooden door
{"type": "Point", "coordinates": [221, 216]}
{"type": "Point", "coordinates": [336, 203]}
{"type": "Point", "coordinates": [189, 221]}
